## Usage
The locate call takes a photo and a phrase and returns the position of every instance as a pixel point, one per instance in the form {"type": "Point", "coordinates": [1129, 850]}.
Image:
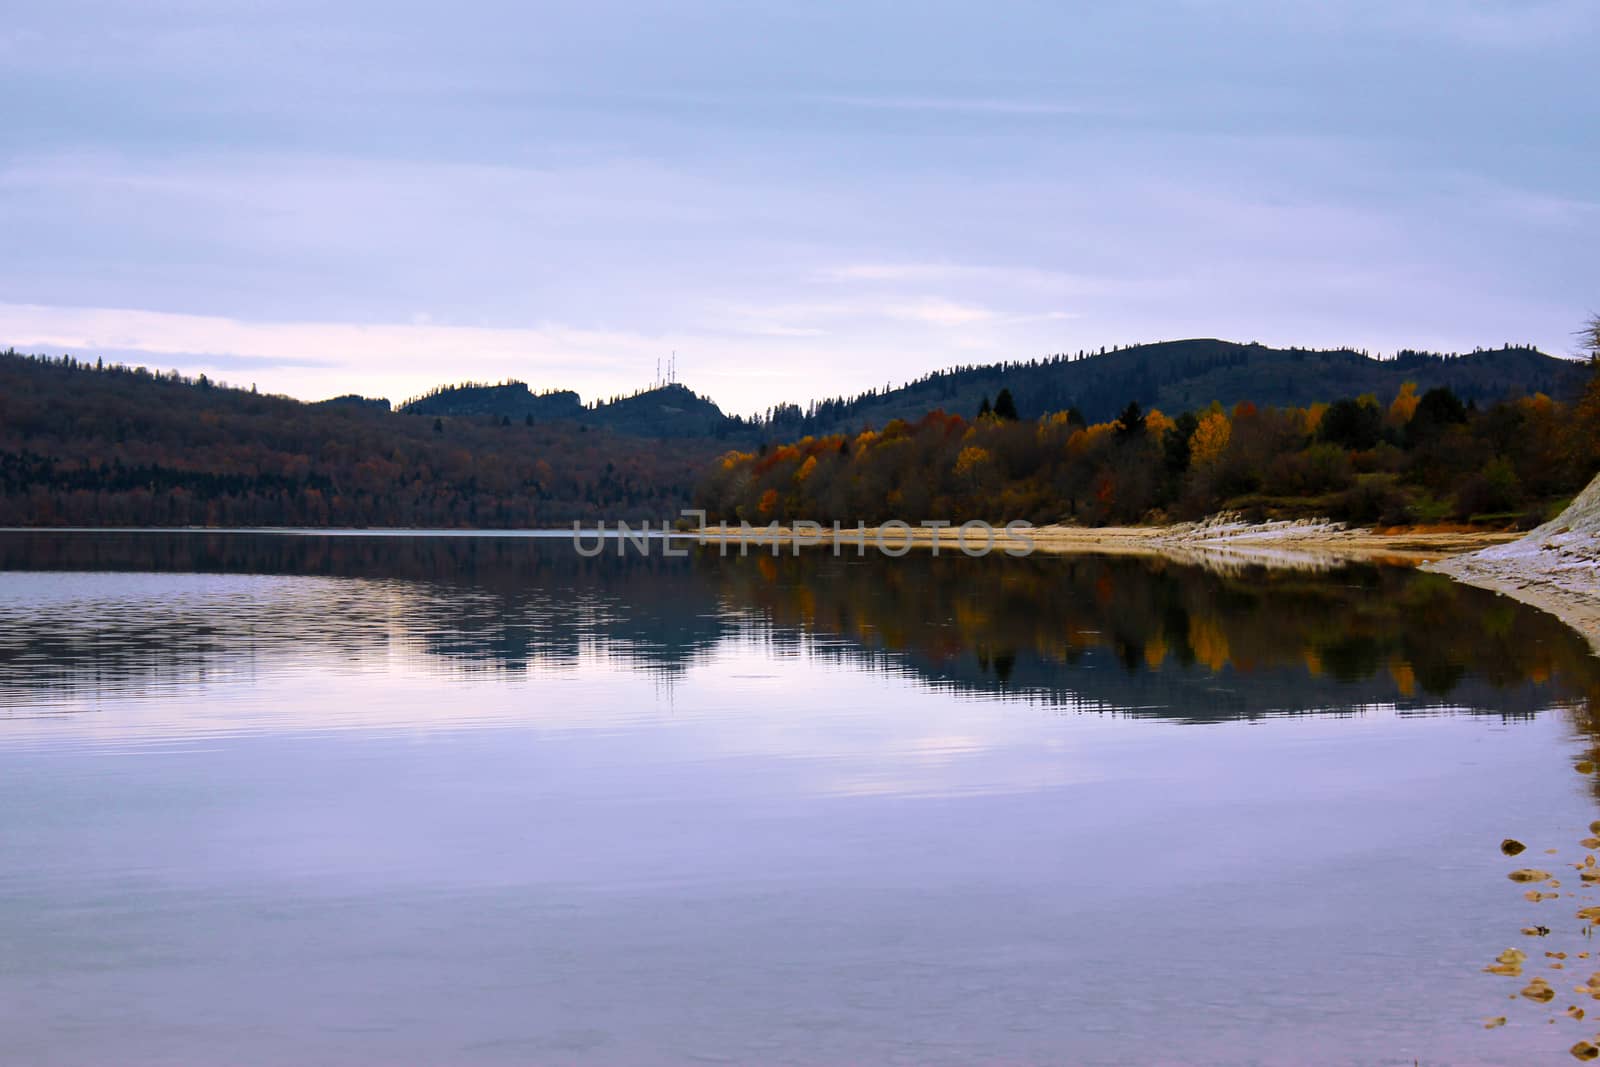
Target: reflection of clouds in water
{"type": "Point", "coordinates": [1074, 635]}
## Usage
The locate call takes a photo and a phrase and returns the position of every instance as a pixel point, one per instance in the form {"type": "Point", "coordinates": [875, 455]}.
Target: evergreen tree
{"type": "Point", "coordinates": [983, 408]}
{"type": "Point", "coordinates": [1352, 425]}
{"type": "Point", "coordinates": [1005, 408]}
{"type": "Point", "coordinates": [1131, 422]}
{"type": "Point", "coordinates": [1437, 410]}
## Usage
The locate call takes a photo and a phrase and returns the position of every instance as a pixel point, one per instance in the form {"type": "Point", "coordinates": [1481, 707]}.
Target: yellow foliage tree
{"type": "Point", "coordinates": [1404, 405]}
{"type": "Point", "coordinates": [971, 458]}
{"type": "Point", "coordinates": [1538, 405]}
{"type": "Point", "coordinates": [1314, 415]}
{"type": "Point", "coordinates": [1210, 439]}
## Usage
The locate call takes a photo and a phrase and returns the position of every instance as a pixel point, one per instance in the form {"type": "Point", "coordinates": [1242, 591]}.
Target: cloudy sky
{"type": "Point", "coordinates": [802, 200]}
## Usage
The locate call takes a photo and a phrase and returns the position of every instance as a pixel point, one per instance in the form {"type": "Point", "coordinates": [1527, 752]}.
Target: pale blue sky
{"type": "Point", "coordinates": [802, 200]}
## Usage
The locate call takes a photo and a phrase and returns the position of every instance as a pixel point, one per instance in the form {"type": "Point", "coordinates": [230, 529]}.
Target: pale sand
{"type": "Point", "coordinates": [1221, 539]}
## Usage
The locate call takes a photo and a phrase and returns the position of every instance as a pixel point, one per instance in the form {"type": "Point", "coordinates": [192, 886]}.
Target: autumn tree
{"type": "Point", "coordinates": [1404, 405]}
{"type": "Point", "coordinates": [1210, 438]}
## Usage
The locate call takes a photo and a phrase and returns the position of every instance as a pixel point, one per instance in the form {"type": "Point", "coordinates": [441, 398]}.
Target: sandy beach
{"type": "Point", "coordinates": [1285, 543]}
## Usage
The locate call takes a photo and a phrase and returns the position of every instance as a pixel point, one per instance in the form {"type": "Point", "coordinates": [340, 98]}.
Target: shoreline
{"type": "Point", "coordinates": [1269, 543]}
{"type": "Point", "coordinates": [1574, 603]}
{"type": "Point", "coordinates": [1555, 568]}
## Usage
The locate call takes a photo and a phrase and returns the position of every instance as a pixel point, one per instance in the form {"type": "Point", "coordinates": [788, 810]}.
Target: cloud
{"type": "Point", "coordinates": [941, 313]}
{"type": "Point", "coordinates": [794, 360]}
{"type": "Point", "coordinates": [386, 351]}
{"type": "Point", "coordinates": [943, 273]}
{"type": "Point", "coordinates": [1495, 24]}
{"type": "Point", "coordinates": [799, 207]}
{"type": "Point", "coordinates": [164, 359]}
{"type": "Point", "coordinates": [1489, 24]}
{"type": "Point", "coordinates": [966, 105]}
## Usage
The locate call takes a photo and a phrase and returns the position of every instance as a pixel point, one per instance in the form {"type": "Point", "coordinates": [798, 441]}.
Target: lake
{"type": "Point", "coordinates": [457, 800]}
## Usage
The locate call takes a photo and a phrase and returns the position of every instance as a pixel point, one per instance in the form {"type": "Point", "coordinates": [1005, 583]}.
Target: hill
{"type": "Point", "coordinates": [512, 400]}
{"type": "Point", "coordinates": [671, 410]}
{"type": "Point", "coordinates": [355, 400]}
{"type": "Point", "coordinates": [1391, 459]}
{"type": "Point", "coordinates": [667, 411]}
{"type": "Point", "coordinates": [1175, 376]}
{"type": "Point", "coordinates": [85, 445]}
{"type": "Point", "coordinates": [1178, 376]}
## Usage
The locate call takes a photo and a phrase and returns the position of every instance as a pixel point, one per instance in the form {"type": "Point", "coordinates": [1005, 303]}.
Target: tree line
{"type": "Point", "coordinates": [1414, 457]}
{"type": "Point", "coordinates": [101, 445]}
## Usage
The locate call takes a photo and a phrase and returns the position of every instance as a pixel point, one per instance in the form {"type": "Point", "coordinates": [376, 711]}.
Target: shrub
{"type": "Point", "coordinates": [1494, 489]}
{"type": "Point", "coordinates": [1375, 498]}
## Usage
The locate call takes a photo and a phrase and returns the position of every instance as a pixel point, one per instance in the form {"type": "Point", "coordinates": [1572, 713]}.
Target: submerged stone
{"type": "Point", "coordinates": [1539, 990]}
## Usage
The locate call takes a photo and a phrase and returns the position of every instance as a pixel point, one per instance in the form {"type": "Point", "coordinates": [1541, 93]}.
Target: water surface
{"type": "Point", "coordinates": [274, 799]}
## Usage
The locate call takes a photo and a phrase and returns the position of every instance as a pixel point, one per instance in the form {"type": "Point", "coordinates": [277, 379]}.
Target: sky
{"type": "Point", "coordinates": [800, 200]}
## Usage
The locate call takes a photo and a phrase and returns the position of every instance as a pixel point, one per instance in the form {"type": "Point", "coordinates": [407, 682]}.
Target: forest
{"type": "Point", "coordinates": [1414, 457]}
{"type": "Point", "coordinates": [1185, 375]}
{"type": "Point", "coordinates": [96, 444]}
{"type": "Point", "coordinates": [93, 444]}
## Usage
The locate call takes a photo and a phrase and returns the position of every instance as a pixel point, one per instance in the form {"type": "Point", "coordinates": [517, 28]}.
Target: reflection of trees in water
{"type": "Point", "coordinates": [460, 603]}
{"type": "Point", "coordinates": [1092, 632]}
{"type": "Point", "coordinates": [1144, 633]}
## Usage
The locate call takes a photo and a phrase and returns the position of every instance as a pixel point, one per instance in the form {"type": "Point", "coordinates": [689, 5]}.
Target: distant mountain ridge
{"type": "Point", "coordinates": [97, 444]}
{"type": "Point", "coordinates": [1174, 376]}
{"type": "Point", "coordinates": [671, 410]}
{"type": "Point", "coordinates": [86, 444]}
{"type": "Point", "coordinates": [1178, 376]}
{"type": "Point", "coordinates": [512, 399]}
{"type": "Point", "coordinates": [355, 400]}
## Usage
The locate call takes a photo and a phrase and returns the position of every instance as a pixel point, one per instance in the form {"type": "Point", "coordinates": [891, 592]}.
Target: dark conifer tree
{"type": "Point", "coordinates": [1131, 422]}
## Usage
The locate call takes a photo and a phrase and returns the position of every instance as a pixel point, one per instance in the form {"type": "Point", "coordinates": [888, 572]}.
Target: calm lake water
{"type": "Point", "coordinates": [376, 800]}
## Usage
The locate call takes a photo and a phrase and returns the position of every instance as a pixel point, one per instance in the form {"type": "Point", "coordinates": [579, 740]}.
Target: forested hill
{"type": "Point", "coordinates": [671, 410]}
{"type": "Point", "coordinates": [1174, 376]}
{"type": "Point", "coordinates": [84, 445]}
{"type": "Point", "coordinates": [1178, 376]}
